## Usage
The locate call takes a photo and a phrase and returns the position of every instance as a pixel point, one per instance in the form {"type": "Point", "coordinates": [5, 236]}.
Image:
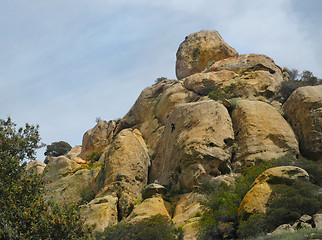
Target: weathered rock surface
{"type": "Point", "coordinates": [35, 167]}
{"type": "Point", "coordinates": [148, 208]}
{"type": "Point", "coordinates": [187, 208]}
{"type": "Point", "coordinates": [304, 110]}
{"type": "Point", "coordinates": [153, 189]}
{"type": "Point", "coordinates": [283, 228]}
{"type": "Point", "coordinates": [199, 50]}
{"type": "Point", "coordinates": [261, 133]}
{"type": "Point", "coordinates": [74, 153]}
{"type": "Point", "coordinates": [126, 169]}
{"type": "Point", "coordinates": [101, 211]}
{"type": "Point", "coordinates": [98, 137]}
{"type": "Point", "coordinates": [317, 218]}
{"type": "Point", "coordinates": [197, 148]}
{"type": "Point", "coordinates": [255, 201]}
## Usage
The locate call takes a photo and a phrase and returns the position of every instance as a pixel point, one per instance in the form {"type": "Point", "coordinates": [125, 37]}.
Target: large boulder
{"type": "Point", "coordinates": [74, 153]}
{"type": "Point", "coordinates": [152, 190]}
{"type": "Point", "coordinates": [125, 169]}
{"type": "Point", "coordinates": [187, 207]}
{"type": "Point", "coordinates": [199, 50]}
{"type": "Point", "coordinates": [35, 167]}
{"type": "Point", "coordinates": [195, 147]}
{"type": "Point", "coordinates": [98, 137]}
{"type": "Point", "coordinates": [100, 211]}
{"type": "Point", "coordinates": [256, 199]}
{"type": "Point", "coordinates": [148, 208]}
{"type": "Point", "coordinates": [304, 110]}
{"type": "Point", "coordinates": [261, 133]}
{"type": "Point", "coordinates": [65, 180]}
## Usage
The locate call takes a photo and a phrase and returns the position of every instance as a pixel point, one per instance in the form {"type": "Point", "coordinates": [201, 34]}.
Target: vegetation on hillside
{"type": "Point", "coordinates": [57, 149]}
{"type": "Point", "coordinates": [23, 212]}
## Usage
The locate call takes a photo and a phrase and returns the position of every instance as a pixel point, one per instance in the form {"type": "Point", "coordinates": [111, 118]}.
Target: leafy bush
{"type": "Point", "coordinates": [87, 196]}
{"type": "Point", "coordinates": [94, 156]}
{"type": "Point", "coordinates": [23, 212]}
{"type": "Point", "coordinates": [155, 228]}
{"type": "Point", "coordinates": [57, 149]}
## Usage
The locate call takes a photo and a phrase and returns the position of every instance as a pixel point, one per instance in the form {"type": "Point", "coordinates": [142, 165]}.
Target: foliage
{"type": "Point", "coordinates": [159, 79]}
{"type": "Point", "coordinates": [23, 212]}
{"type": "Point", "coordinates": [94, 156]}
{"type": "Point", "coordinates": [57, 149]}
{"type": "Point", "coordinates": [306, 78]}
{"type": "Point", "coordinates": [87, 196]}
{"type": "Point", "coordinates": [98, 119]}
{"type": "Point", "coordinates": [227, 92]}
{"type": "Point", "coordinates": [287, 204]}
{"type": "Point", "coordinates": [154, 228]}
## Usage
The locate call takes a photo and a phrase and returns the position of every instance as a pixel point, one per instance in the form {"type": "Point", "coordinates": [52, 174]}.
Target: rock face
{"type": "Point", "coordinates": [148, 208]}
{"type": "Point", "coordinates": [97, 138]}
{"type": "Point", "coordinates": [197, 148]}
{"type": "Point", "coordinates": [199, 50]}
{"type": "Point", "coordinates": [257, 134]}
{"type": "Point", "coordinates": [101, 211]}
{"type": "Point", "coordinates": [304, 110]}
{"type": "Point", "coordinates": [152, 190]}
{"type": "Point", "coordinates": [256, 199]}
{"type": "Point", "coordinates": [35, 167]}
{"type": "Point", "coordinates": [65, 180]}
{"type": "Point", "coordinates": [126, 169]}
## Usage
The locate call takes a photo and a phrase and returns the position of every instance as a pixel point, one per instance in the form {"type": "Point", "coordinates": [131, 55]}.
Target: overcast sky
{"type": "Point", "coordinates": [65, 62]}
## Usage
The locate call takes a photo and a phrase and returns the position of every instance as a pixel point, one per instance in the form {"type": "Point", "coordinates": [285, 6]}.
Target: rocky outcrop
{"type": "Point", "coordinates": [148, 208]}
{"type": "Point", "coordinates": [317, 218]}
{"type": "Point", "coordinates": [187, 207]}
{"type": "Point", "coordinates": [197, 148]}
{"type": "Point", "coordinates": [152, 190]}
{"type": "Point", "coordinates": [35, 167]}
{"type": "Point", "coordinates": [65, 180]}
{"type": "Point", "coordinates": [125, 169]}
{"type": "Point", "coordinates": [74, 153]}
{"type": "Point", "coordinates": [304, 110]}
{"type": "Point", "coordinates": [98, 137]}
{"type": "Point", "coordinates": [257, 134]}
{"type": "Point", "coordinates": [199, 50]}
{"type": "Point", "coordinates": [255, 201]}
{"type": "Point", "coordinates": [101, 211]}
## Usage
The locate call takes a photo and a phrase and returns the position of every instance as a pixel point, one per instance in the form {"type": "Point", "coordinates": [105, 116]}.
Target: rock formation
{"type": "Point", "coordinates": [304, 110]}
{"type": "Point", "coordinates": [219, 118]}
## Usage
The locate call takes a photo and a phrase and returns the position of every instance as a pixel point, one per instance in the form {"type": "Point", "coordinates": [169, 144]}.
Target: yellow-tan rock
{"type": "Point", "coordinates": [74, 153]}
{"type": "Point", "coordinates": [261, 133]}
{"type": "Point", "coordinates": [304, 110]}
{"type": "Point", "coordinates": [198, 147]}
{"type": "Point", "coordinates": [125, 169]}
{"type": "Point", "coordinates": [199, 50]}
{"type": "Point", "coordinates": [255, 201]}
{"type": "Point", "coordinates": [35, 167]}
{"type": "Point", "coordinates": [65, 180]}
{"type": "Point", "coordinates": [100, 211]}
{"type": "Point", "coordinates": [148, 208]}
{"type": "Point", "coordinates": [98, 137]}
{"type": "Point", "coordinates": [188, 207]}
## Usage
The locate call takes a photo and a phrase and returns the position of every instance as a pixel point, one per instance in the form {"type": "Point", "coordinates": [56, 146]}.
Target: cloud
{"type": "Point", "coordinates": [65, 62]}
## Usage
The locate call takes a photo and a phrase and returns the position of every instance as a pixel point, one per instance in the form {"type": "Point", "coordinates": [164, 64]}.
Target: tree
{"type": "Point", "coordinates": [23, 212]}
{"type": "Point", "coordinates": [57, 149]}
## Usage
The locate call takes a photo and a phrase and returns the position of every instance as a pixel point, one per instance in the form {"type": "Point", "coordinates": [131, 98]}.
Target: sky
{"type": "Point", "coordinates": [64, 63]}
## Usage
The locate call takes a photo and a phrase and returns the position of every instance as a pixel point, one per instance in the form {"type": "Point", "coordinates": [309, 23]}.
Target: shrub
{"type": "Point", "coordinates": [154, 228]}
{"type": "Point", "coordinates": [94, 156]}
{"type": "Point", "coordinates": [87, 196]}
{"type": "Point", "coordinates": [57, 149]}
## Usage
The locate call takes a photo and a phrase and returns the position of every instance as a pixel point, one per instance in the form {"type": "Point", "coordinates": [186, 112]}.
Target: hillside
{"type": "Point", "coordinates": [220, 120]}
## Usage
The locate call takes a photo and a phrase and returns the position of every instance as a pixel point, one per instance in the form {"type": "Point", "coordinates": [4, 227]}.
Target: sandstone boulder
{"type": "Point", "coordinates": [98, 137]}
{"type": "Point", "coordinates": [283, 228]}
{"type": "Point", "coordinates": [261, 133]}
{"type": "Point", "coordinates": [126, 169]}
{"type": "Point", "coordinates": [148, 208]}
{"type": "Point", "coordinates": [304, 110]}
{"type": "Point", "coordinates": [100, 211]}
{"type": "Point", "coordinates": [153, 189]}
{"type": "Point", "coordinates": [199, 50]}
{"type": "Point", "coordinates": [74, 153]}
{"type": "Point", "coordinates": [255, 201]}
{"type": "Point", "coordinates": [317, 218]}
{"type": "Point", "coordinates": [35, 167]}
{"type": "Point", "coordinates": [197, 148]}
{"type": "Point", "coordinates": [188, 207]}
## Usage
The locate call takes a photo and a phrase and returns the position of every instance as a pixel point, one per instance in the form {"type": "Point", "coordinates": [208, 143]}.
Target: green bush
{"type": "Point", "coordinates": [94, 156]}
{"type": "Point", "coordinates": [87, 196]}
{"type": "Point", "coordinates": [154, 228]}
{"type": "Point", "coordinates": [57, 149]}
